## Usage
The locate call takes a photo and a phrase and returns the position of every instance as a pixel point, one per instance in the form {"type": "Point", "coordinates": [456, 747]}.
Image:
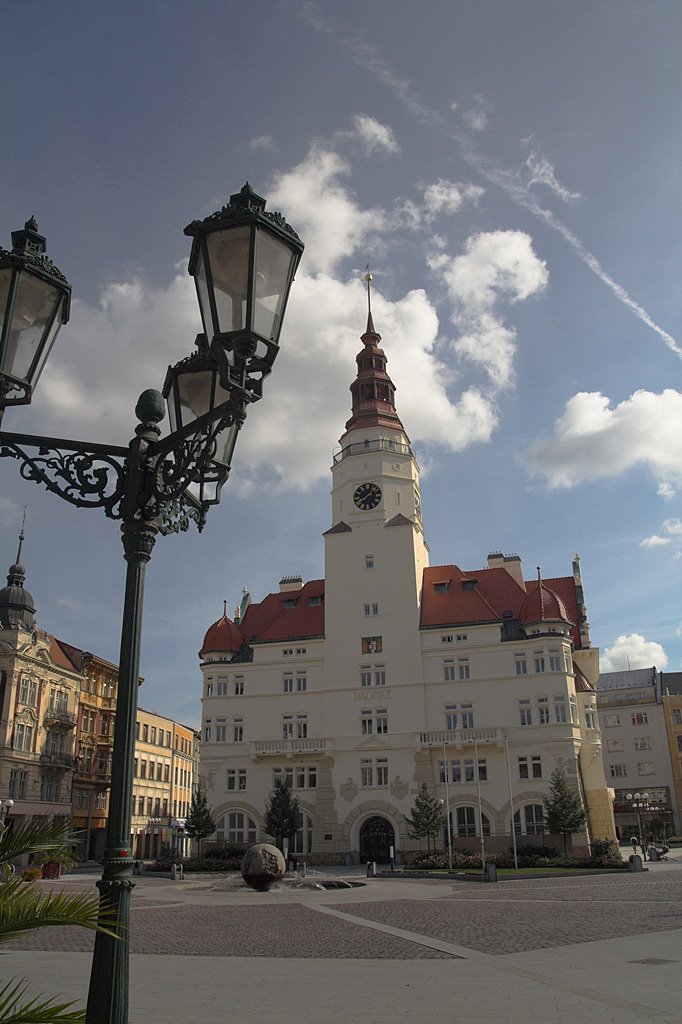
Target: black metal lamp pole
{"type": "Point", "coordinates": [243, 261]}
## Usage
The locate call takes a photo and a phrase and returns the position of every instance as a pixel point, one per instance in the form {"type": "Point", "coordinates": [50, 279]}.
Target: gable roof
{"type": "Point", "coordinates": [288, 615]}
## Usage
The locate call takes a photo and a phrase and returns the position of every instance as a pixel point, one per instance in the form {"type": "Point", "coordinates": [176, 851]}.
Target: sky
{"type": "Point", "coordinates": [510, 171]}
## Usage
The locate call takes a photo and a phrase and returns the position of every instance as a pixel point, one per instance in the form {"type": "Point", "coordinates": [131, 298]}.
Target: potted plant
{"type": "Point", "coordinates": [59, 859]}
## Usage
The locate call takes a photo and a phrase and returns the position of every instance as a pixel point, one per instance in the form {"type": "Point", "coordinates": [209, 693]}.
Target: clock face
{"type": "Point", "coordinates": [367, 496]}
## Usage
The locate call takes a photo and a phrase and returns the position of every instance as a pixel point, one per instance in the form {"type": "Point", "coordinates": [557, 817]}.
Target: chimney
{"type": "Point", "coordinates": [512, 563]}
{"type": "Point", "coordinates": [290, 583]}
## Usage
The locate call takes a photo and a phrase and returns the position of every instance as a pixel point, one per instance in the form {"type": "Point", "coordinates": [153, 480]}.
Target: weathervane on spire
{"type": "Point", "coordinates": [368, 279]}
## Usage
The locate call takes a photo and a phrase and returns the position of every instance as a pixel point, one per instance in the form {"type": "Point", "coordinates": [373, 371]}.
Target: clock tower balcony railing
{"type": "Point", "coordinates": [382, 444]}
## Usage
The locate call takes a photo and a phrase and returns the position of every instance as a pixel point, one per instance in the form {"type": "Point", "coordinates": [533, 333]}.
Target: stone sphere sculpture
{"type": "Point", "coordinates": [262, 866]}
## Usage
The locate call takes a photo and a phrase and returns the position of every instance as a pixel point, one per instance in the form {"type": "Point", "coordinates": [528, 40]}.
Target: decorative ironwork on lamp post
{"type": "Point", "coordinates": [243, 260]}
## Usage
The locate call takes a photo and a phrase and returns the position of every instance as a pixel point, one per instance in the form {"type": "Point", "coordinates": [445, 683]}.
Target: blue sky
{"type": "Point", "coordinates": [511, 171]}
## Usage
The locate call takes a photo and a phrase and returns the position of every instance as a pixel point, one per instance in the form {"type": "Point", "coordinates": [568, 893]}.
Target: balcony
{"type": "Point", "coordinates": [383, 444]}
{"type": "Point", "coordinates": [268, 748]}
{"type": "Point", "coordinates": [59, 716]}
{"type": "Point", "coordinates": [460, 738]}
{"type": "Point", "coordinates": [58, 760]}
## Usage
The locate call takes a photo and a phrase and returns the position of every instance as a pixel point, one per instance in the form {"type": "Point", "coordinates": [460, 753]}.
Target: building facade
{"type": "Point", "coordinates": [39, 690]}
{"type": "Point", "coordinates": [636, 750]}
{"type": "Point", "coordinates": [356, 689]}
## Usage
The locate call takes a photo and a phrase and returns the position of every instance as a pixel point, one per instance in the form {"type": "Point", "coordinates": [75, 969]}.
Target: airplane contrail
{"type": "Point", "coordinates": [367, 57]}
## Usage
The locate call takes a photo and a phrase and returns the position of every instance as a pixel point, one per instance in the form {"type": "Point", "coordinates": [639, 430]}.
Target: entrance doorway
{"type": "Point", "coordinates": [376, 838]}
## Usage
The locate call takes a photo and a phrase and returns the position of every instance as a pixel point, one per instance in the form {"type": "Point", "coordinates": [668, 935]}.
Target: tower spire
{"type": "Point", "coordinates": [370, 322]}
{"type": "Point", "coordinates": [372, 390]}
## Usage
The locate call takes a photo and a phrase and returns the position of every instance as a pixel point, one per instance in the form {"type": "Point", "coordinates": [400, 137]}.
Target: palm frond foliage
{"type": "Point", "coordinates": [25, 906]}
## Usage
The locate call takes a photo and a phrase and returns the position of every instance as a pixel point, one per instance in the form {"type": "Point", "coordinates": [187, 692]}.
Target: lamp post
{"type": "Point", "coordinates": [243, 261]}
{"type": "Point", "coordinates": [643, 803]}
{"type": "Point", "coordinates": [5, 807]}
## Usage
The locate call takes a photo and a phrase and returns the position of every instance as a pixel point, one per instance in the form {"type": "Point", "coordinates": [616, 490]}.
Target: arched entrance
{"type": "Point", "coordinates": [376, 838]}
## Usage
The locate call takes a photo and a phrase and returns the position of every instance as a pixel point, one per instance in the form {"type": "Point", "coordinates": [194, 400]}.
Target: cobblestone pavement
{"type": "Point", "coordinates": [505, 918]}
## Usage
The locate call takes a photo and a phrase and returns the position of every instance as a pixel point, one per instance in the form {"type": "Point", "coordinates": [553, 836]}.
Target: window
{"type": "Point", "coordinates": [465, 823]}
{"type": "Point", "coordinates": [168, 738]}
{"type": "Point", "coordinates": [521, 665]}
{"type": "Point", "coordinates": [440, 588]}
{"type": "Point", "coordinates": [23, 737]}
{"type": "Point", "coordinates": [28, 691]}
{"type": "Point", "coordinates": [374, 772]}
{"type": "Point", "coordinates": [533, 820]}
{"type": "Point", "coordinates": [301, 727]}
{"type": "Point", "coordinates": [534, 770]}
{"type": "Point", "coordinates": [573, 709]}
{"type": "Point", "coordinates": [17, 784]}
{"type": "Point", "coordinates": [555, 661]}
{"type": "Point", "coordinates": [222, 688]}
{"type": "Point", "coordinates": [560, 709]}
{"type": "Point", "coordinates": [462, 636]}
{"type": "Point", "coordinates": [525, 712]}
{"type": "Point", "coordinates": [448, 670]}
{"type": "Point", "coordinates": [614, 746]}
{"type": "Point", "coordinates": [639, 718]}
{"type": "Point", "coordinates": [643, 743]}
{"type": "Point", "coordinates": [145, 733]}
{"type": "Point", "coordinates": [239, 686]}
{"type": "Point", "coordinates": [301, 682]}
{"type": "Point", "coordinates": [288, 682]}
{"type": "Point", "coordinates": [236, 779]}
{"type": "Point", "coordinates": [287, 726]}
{"type": "Point", "coordinates": [304, 650]}
{"type": "Point", "coordinates": [646, 768]}
{"type": "Point", "coordinates": [238, 730]}
{"type": "Point", "coordinates": [539, 661]}
{"type": "Point", "coordinates": [536, 765]}
{"type": "Point", "coordinates": [374, 721]}
{"type": "Point", "coordinates": [590, 718]}
{"type": "Point", "coordinates": [101, 801]}
{"type": "Point", "coordinates": [220, 730]}
{"type": "Point", "coordinates": [287, 652]}
{"type": "Point", "coordinates": [380, 676]}
{"type": "Point", "coordinates": [450, 717]}
{"type": "Point", "coordinates": [166, 773]}
{"type": "Point", "coordinates": [447, 638]}
{"type": "Point", "coordinates": [365, 675]}
{"type": "Point", "coordinates": [369, 561]}
{"type": "Point", "coordinates": [240, 828]}
{"type": "Point", "coordinates": [611, 720]}
{"type": "Point", "coordinates": [618, 771]}
{"type": "Point", "coordinates": [152, 734]}
{"type": "Point", "coordinates": [372, 645]}
{"type": "Point", "coordinates": [467, 716]}
{"type": "Point", "coordinates": [209, 689]}
{"type": "Point", "coordinates": [463, 669]}
{"type": "Point", "coordinates": [677, 716]}
{"type": "Point", "coordinates": [49, 787]}
{"type": "Point", "coordinates": [543, 710]}
{"type": "Point", "coordinates": [371, 609]}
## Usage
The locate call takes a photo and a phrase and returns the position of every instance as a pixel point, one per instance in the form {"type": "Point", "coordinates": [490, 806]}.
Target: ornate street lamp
{"type": "Point", "coordinates": [34, 303]}
{"type": "Point", "coordinates": [243, 260]}
{"type": "Point", "coordinates": [5, 807]}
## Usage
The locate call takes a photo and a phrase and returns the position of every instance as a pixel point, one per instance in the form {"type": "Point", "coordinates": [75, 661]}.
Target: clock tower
{"type": "Point", "coordinates": [375, 552]}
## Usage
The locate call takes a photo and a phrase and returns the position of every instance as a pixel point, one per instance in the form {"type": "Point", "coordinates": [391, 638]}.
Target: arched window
{"type": "Point", "coordinates": [533, 820]}
{"type": "Point", "coordinates": [236, 827]}
{"type": "Point", "coordinates": [466, 822]}
{"type": "Point", "coordinates": [302, 842]}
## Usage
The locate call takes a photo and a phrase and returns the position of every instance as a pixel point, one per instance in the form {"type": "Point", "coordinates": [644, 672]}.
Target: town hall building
{"type": "Point", "coordinates": [389, 673]}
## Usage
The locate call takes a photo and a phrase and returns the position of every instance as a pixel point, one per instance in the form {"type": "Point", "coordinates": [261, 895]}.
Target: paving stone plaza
{"type": "Point", "coordinates": [604, 948]}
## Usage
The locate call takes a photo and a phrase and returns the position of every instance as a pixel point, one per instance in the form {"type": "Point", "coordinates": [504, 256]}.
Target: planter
{"type": "Point", "coordinates": [52, 869]}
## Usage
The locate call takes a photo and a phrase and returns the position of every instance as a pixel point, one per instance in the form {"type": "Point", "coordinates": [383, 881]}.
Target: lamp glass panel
{"type": "Point", "coordinates": [5, 285]}
{"type": "Point", "coordinates": [228, 254]}
{"type": "Point", "coordinates": [225, 444]}
{"type": "Point", "coordinates": [34, 309]}
{"type": "Point", "coordinates": [195, 395]}
{"type": "Point", "coordinates": [273, 263]}
{"type": "Point", "coordinates": [203, 295]}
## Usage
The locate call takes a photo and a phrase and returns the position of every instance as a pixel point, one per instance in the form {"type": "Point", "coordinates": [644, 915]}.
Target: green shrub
{"type": "Point", "coordinates": [31, 873]}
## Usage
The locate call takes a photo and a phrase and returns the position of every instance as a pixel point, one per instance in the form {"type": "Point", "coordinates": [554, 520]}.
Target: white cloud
{"type": "Point", "coordinates": [630, 651]}
{"type": "Point", "coordinates": [324, 213]}
{"type": "Point", "coordinates": [495, 266]}
{"type": "Point", "coordinates": [666, 490]}
{"type": "Point", "coordinates": [673, 527]}
{"type": "Point", "coordinates": [445, 196]}
{"type": "Point", "coordinates": [265, 143]}
{"type": "Point", "coordinates": [593, 440]}
{"type": "Point", "coordinates": [654, 541]}
{"type": "Point", "coordinates": [375, 136]}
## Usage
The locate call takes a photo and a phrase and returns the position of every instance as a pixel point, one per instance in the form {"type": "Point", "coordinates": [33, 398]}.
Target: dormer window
{"type": "Point", "coordinates": [289, 602]}
{"type": "Point", "coordinates": [441, 588]}
{"type": "Point", "coordinates": [469, 585]}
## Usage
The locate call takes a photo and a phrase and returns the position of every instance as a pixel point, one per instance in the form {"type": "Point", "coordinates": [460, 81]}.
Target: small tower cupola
{"type": "Point", "coordinates": [17, 607]}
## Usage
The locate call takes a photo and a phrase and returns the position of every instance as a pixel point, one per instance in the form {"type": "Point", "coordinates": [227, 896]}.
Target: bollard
{"type": "Point", "coordinates": [491, 872]}
{"type": "Point", "coordinates": [635, 862]}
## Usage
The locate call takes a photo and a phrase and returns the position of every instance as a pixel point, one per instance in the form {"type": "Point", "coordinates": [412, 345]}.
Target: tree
{"type": "Point", "coordinates": [564, 812]}
{"type": "Point", "coordinates": [426, 820]}
{"type": "Point", "coordinates": [24, 907]}
{"type": "Point", "coordinates": [283, 816]}
{"type": "Point", "coordinates": [199, 823]}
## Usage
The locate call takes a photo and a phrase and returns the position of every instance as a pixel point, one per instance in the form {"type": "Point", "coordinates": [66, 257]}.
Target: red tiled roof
{"type": "Point", "coordinates": [582, 683]}
{"type": "Point", "coordinates": [223, 635]}
{"type": "Point", "coordinates": [542, 605]}
{"type": "Point", "coordinates": [495, 593]}
{"type": "Point", "coordinates": [274, 618]}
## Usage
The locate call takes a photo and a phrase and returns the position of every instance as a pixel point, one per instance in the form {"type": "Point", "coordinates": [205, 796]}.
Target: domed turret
{"type": "Point", "coordinates": [223, 637]}
{"type": "Point", "coordinates": [543, 611]}
{"type": "Point", "coordinates": [17, 607]}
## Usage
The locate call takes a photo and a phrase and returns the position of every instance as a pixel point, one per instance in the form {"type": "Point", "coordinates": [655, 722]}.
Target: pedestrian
{"type": "Point", "coordinates": [643, 843]}
{"type": "Point", "coordinates": [635, 842]}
